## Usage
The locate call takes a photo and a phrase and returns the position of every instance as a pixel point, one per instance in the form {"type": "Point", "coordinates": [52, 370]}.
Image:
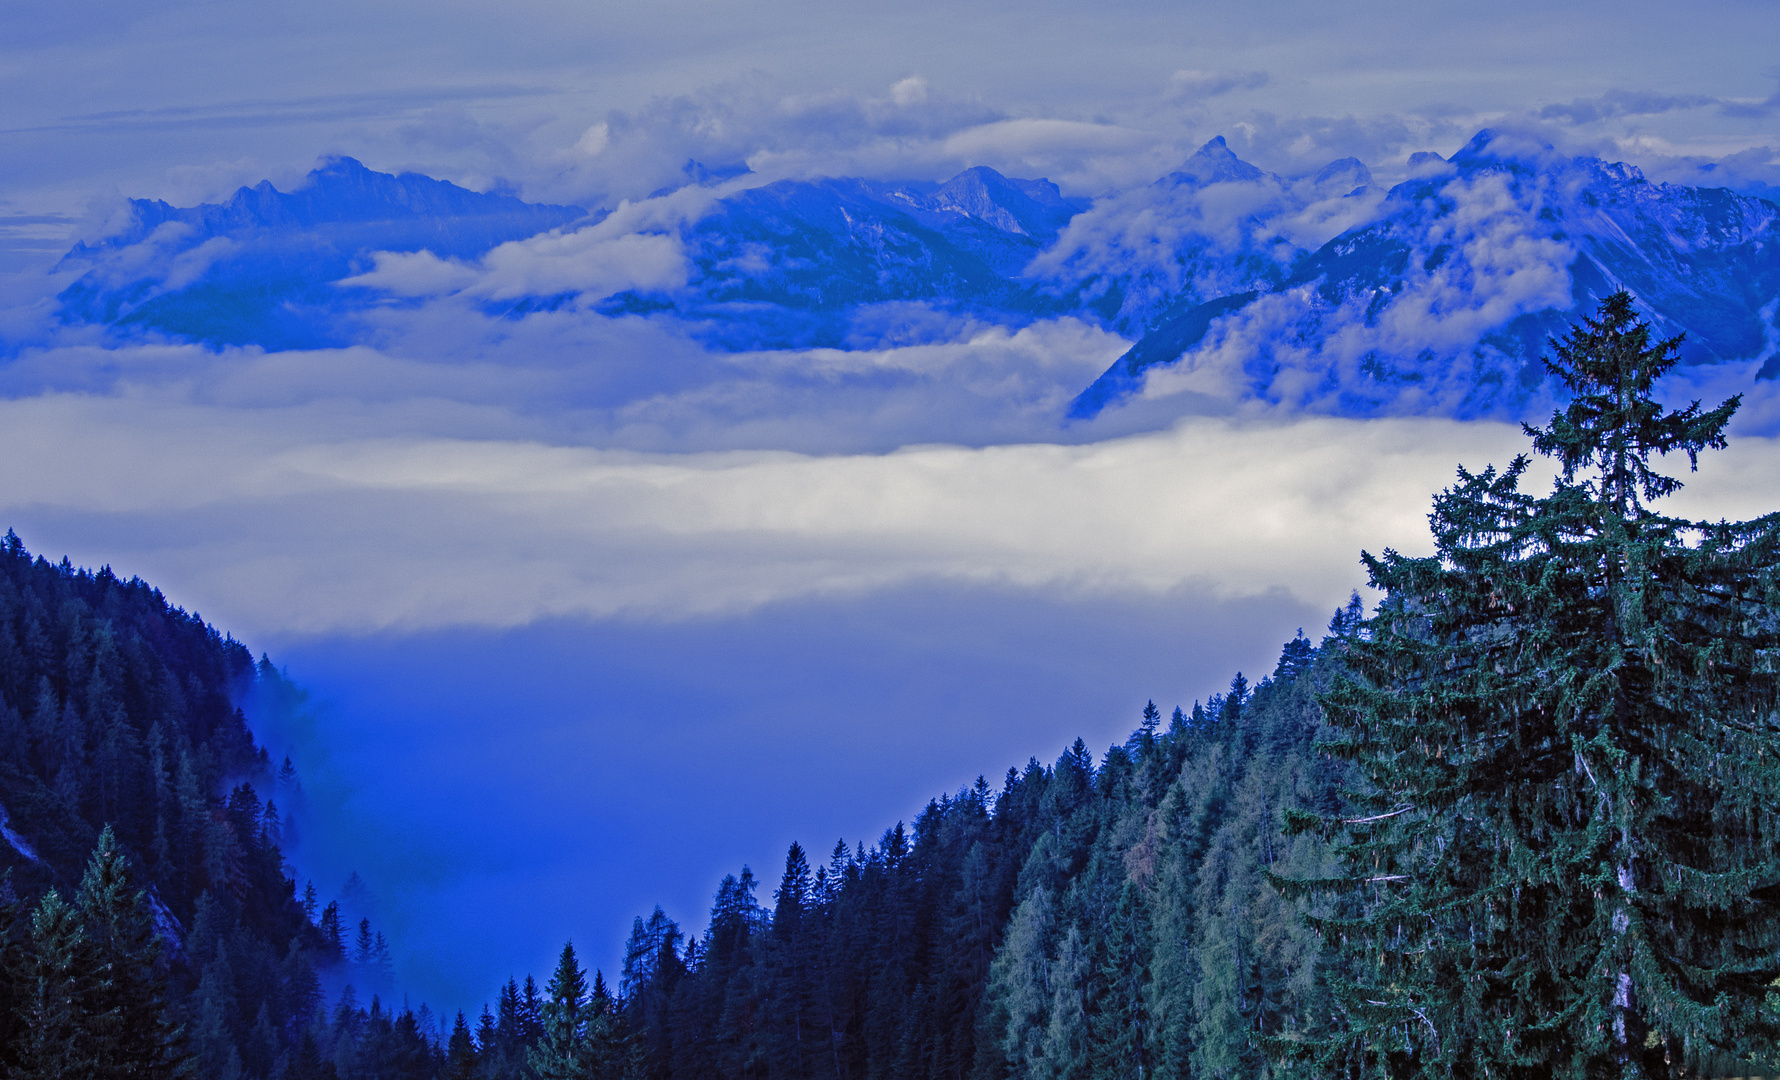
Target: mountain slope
{"type": "Point", "coordinates": [787, 264]}
{"type": "Point", "coordinates": [259, 269]}
{"type": "Point", "coordinates": [1215, 226]}
{"type": "Point", "coordinates": [1444, 304]}
{"type": "Point", "coordinates": [120, 717]}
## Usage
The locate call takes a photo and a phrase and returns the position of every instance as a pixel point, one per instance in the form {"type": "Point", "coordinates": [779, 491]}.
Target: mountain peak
{"type": "Point", "coordinates": [1343, 174]}
{"type": "Point", "coordinates": [1215, 163]}
{"type": "Point", "coordinates": [338, 164]}
{"type": "Point", "coordinates": [1520, 151]}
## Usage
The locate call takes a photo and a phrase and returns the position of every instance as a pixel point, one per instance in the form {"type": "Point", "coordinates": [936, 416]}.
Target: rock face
{"type": "Point", "coordinates": [1323, 292]}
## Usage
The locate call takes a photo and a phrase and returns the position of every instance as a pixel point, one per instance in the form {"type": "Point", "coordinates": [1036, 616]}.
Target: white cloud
{"type": "Point", "coordinates": [594, 139]}
{"type": "Point", "coordinates": [637, 246]}
{"type": "Point", "coordinates": [1034, 139]}
{"type": "Point", "coordinates": [909, 91]}
{"type": "Point", "coordinates": [593, 262]}
{"type": "Point", "coordinates": [1206, 235]}
{"type": "Point", "coordinates": [253, 518]}
{"type": "Point", "coordinates": [259, 521]}
{"type": "Point", "coordinates": [1068, 347]}
{"type": "Point", "coordinates": [419, 273]}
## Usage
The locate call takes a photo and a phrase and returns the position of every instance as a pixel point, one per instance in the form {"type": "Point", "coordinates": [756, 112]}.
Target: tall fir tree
{"type": "Point", "coordinates": [1564, 863]}
{"type": "Point", "coordinates": [58, 999]}
{"type": "Point", "coordinates": [562, 1052]}
{"type": "Point", "coordinates": [460, 1052]}
{"type": "Point", "coordinates": [138, 1037]}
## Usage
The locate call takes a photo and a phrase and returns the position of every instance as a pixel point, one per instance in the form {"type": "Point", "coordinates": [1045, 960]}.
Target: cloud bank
{"type": "Point", "coordinates": [266, 523]}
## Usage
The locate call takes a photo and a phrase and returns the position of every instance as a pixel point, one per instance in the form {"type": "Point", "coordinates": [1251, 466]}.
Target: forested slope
{"type": "Point", "coordinates": [1090, 915]}
{"type": "Point", "coordinates": [121, 736]}
{"type": "Point", "coordinates": [1087, 918]}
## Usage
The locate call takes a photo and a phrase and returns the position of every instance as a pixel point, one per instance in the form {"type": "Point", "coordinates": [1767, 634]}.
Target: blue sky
{"type": "Point", "coordinates": [593, 615]}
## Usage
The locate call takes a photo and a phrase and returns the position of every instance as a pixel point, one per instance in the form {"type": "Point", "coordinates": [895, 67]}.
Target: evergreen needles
{"type": "Point", "coordinates": [1562, 862]}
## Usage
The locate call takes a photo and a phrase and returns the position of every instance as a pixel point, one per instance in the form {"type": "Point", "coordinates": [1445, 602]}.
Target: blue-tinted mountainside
{"type": "Point", "coordinates": [1323, 291]}
{"type": "Point", "coordinates": [258, 269]}
{"type": "Point", "coordinates": [1215, 226]}
{"type": "Point", "coordinates": [1446, 301]}
{"type": "Point", "coordinates": [785, 264]}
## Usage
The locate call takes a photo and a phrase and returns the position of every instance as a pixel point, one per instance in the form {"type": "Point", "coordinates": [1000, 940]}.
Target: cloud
{"type": "Point", "coordinates": [1197, 237]}
{"type": "Point", "coordinates": [909, 91]}
{"type": "Point", "coordinates": [1298, 144]}
{"type": "Point", "coordinates": [912, 128]}
{"type": "Point", "coordinates": [592, 262]}
{"type": "Point", "coordinates": [260, 520]}
{"type": "Point", "coordinates": [637, 246]}
{"type": "Point", "coordinates": [917, 374]}
{"type": "Point", "coordinates": [593, 141]}
{"type": "Point", "coordinates": [418, 273]}
{"type": "Point", "coordinates": [1752, 171]}
{"type": "Point", "coordinates": [1187, 85]}
{"type": "Point", "coordinates": [1750, 108]}
{"type": "Point", "coordinates": [1622, 103]}
{"type": "Point", "coordinates": [778, 128]}
{"type": "Point", "coordinates": [1616, 103]}
{"type": "Point", "coordinates": [1033, 140]}
{"type": "Point", "coordinates": [327, 518]}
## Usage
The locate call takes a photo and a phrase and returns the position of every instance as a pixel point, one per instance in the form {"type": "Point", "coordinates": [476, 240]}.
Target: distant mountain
{"type": "Point", "coordinates": [258, 269]}
{"type": "Point", "coordinates": [1215, 226]}
{"type": "Point", "coordinates": [786, 263]}
{"type": "Point", "coordinates": [1321, 291]}
{"type": "Point", "coordinates": [1445, 302]}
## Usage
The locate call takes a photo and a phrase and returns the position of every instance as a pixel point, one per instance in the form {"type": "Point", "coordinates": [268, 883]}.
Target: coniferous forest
{"type": "Point", "coordinates": [1518, 821]}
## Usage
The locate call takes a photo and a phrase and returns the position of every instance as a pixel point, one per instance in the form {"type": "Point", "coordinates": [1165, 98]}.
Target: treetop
{"type": "Point", "coordinates": [1613, 423]}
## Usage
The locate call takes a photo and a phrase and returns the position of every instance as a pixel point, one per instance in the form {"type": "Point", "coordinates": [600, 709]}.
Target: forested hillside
{"type": "Point", "coordinates": [1086, 918]}
{"type": "Point", "coordinates": [1106, 915]}
{"type": "Point", "coordinates": [179, 945]}
{"type": "Point", "coordinates": [1516, 823]}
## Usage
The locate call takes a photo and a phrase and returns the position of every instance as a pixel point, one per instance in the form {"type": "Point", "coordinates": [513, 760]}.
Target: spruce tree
{"type": "Point", "coordinates": [58, 1002]}
{"type": "Point", "coordinates": [607, 1049]}
{"type": "Point", "coordinates": [460, 1052]}
{"type": "Point", "coordinates": [562, 1053]}
{"type": "Point", "coordinates": [1562, 862]}
{"type": "Point", "coordinates": [138, 1038]}
{"type": "Point", "coordinates": [1121, 1025]}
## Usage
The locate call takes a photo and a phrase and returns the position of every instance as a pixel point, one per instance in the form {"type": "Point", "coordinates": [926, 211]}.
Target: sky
{"type": "Point", "coordinates": [591, 615]}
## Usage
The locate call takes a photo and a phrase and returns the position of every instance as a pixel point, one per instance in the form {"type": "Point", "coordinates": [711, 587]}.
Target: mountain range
{"type": "Point", "coordinates": [1325, 292]}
